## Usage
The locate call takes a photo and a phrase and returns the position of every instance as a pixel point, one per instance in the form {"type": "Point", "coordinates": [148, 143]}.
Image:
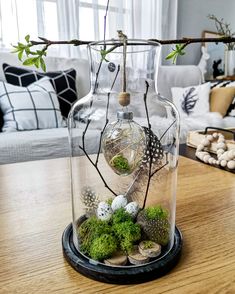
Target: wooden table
{"type": "Point", "coordinates": [35, 208]}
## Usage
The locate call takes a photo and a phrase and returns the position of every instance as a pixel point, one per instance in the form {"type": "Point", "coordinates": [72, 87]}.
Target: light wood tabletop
{"type": "Point", "coordinates": [35, 208]}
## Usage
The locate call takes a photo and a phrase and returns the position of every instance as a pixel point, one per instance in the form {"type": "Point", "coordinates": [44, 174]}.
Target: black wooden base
{"type": "Point", "coordinates": [120, 274]}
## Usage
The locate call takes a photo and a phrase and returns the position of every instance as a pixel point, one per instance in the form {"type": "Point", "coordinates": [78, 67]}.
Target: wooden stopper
{"type": "Point", "coordinates": [124, 98]}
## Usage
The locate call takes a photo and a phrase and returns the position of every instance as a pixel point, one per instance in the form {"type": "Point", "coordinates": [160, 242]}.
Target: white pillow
{"type": "Point", "coordinates": [30, 108]}
{"type": "Point", "coordinates": [192, 100]}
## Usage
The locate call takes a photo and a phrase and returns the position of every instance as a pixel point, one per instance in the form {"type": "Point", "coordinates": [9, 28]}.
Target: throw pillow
{"type": "Point", "coordinates": [221, 99]}
{"type": "Point", "coordinates": [64, 83]}
{"type": "Point", "coordinates": [222, 84]}
{"type": "Point", "coordinates": [1, 120]}
{"type": "Point", "coordinates": [30, 108]}
{"type": "Point", "coordinates": [191, 100]}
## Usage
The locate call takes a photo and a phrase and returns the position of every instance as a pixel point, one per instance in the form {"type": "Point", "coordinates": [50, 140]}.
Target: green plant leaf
{"type": "Point", "coordinates": [29, 61]}
{"type": "Point", "coordinates": [20, 55]}
{"type": "Point", "coordinates": [171, 55]}
{"type": "Point", "coordinates": [27, 38]}
{"type": "Point", "coordinates": [43, 65]}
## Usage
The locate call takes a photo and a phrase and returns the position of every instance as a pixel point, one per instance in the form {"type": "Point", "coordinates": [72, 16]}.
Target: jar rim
{"type": "Point", "coordinates": [130, 42]}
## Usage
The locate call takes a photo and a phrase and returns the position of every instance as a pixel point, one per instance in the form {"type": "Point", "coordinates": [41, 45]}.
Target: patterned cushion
{"type": "Point", "coordinates": [64, 83]}
{"type": "Point", "coordinates": [1, 120]}
{"type": "Point", "coordinates": [222, 84]}
{"type": "Point", "coordinates": [30, 108]}
{"type": "Point", "coordinates": [191, 100]}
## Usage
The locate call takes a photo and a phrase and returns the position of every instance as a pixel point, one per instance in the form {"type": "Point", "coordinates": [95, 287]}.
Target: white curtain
{"type": "Point", "coordinates": [84, 19]}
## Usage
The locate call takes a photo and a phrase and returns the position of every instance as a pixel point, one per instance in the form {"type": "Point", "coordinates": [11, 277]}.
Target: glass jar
{"type": "Point", "coordinates": [124, 154]}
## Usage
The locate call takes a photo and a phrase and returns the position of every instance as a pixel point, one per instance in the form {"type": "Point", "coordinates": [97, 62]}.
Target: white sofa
{"type": "Point", "coordinates": [53, 143]}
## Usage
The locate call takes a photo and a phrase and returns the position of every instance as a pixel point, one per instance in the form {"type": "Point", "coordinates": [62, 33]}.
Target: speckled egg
{"type": "Point", "coordinates": [132, 208]}
{"type": "Point", "coordinates": [104, 211]}
{"type": "Point", "coordinates": [118, 202]}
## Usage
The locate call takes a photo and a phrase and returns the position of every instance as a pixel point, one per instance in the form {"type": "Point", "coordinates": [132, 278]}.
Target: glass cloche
{"type": "Point", "coordinates": [124, 154]}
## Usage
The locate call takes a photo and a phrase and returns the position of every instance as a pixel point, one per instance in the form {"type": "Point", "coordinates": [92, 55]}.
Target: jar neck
{"type": "Point", "coordinates": [109, 72]}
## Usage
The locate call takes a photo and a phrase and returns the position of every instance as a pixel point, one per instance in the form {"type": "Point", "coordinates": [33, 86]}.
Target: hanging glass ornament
{"type": "Point", "coordinates": [124, 144]}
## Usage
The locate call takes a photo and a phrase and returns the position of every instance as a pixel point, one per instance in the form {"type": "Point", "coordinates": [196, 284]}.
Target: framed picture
{"type": "Point", "coordinates": [215, 64]}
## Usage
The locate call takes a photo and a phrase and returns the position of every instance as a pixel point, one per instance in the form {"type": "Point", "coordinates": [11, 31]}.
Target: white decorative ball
{"type": "Point", "coordinates": [221, 145]}
{"type": "Point", "coordinates": [104, 211]}
{"type": "Point", "coordinates": [209, 137]}
{"type": "Point", "coordinates": [231, 164]}
{"type": "Point", "coordinates": [118, 202]}
{"type": "Point", "coordinates": [132, 208]}
{"type": "Point", "coordinates": [220, 151]}
{"type": "Point", "coordinates": [223, 163]}
{"type": "Point", "coordinates": [200, 147]}
{"type": "Point", "coordinates": [215, 135]}
{"type": "Point", "coordinates": [205, 142]}
{"type": "Point", "coordinates": [211, 160]}
{"type": "Point", "coordinates": [230, 154]}
{"type": "Point", "coordinates": [206, 158]}
{"type": "Point", "coordinates": [214, 161]}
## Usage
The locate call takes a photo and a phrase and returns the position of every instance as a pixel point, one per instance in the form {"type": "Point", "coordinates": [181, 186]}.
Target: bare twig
{"type": "Point", "coordinates": [187, 41]}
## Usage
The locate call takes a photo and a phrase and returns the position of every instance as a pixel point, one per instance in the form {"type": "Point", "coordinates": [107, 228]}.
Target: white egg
{"type": "Point", "coordinates": [118, 202]}
{"type": "Point", "coordinates": [104, 211]}
{"type": "Point", "coordinates": [132, 208]}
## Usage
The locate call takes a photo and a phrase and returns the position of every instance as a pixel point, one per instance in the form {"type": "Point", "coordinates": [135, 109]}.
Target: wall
{"type": "Point", "coordinates": [192, 21]}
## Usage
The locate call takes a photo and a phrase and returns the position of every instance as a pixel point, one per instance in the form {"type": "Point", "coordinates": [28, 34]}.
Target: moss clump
{"type": "Point", "coordinates": [91, 229]}
{"type": "Point", "coordinates": [100, 239]}
{"type": "Point", "coordinates": [127, 234]}
{"type": "Point", "coordinates": [109, 201]}
{"type": "Point", "coordinates": [154, 212]}
{"type": "Point", "coordinates": [120, 163]}
{"type": "Point", "coordinates": [120, 216]}
{"type": "Point", "coordinates": [103, 247]}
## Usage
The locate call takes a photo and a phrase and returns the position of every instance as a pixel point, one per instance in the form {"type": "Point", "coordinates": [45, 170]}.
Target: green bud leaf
{"type": "Point", "coordinates": [20, 55]}
{"type": "Point", "coordinates": [43, 65]}
{"type": "Point", "coordinates": [29, 61]}
{"type": "Point", "coordinates": [27, 38]}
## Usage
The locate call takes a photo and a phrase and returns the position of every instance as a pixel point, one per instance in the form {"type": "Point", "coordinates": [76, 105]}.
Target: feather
{"type": "Point", "coordinates": [189, 101]}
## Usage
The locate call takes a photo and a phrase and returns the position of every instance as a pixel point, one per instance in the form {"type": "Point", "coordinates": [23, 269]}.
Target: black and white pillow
{"type": "Point", "coordinates": [30, 108]}
{"type": "Point", "coordinates": [220, 84]}
{"type": "Point", "coordinates": [64, 83]}
{"type": "Point", "coordinates": [191, 100]}
{"type": "Point", "coordinates": [1, 120]}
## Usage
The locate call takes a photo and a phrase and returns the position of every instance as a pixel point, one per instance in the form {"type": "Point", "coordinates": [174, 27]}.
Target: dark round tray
{"type": "Point", "coordinates": [120, 274]}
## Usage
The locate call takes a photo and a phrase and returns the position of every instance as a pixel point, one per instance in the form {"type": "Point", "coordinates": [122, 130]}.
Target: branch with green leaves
{"type": "Point", "coordinates": [36, 57]}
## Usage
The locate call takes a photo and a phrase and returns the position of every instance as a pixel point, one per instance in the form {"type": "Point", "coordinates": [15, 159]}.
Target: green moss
{"type": "Point", "coordinates": [103, 247]}
{"type": "Point", "coordinates": [100, 239]}
{"type": "Point", "coordinates": [148, 244]}
{"type": "Point", "coordinates": [120, 163]}
{"type": "Point", "coordinates": [127, 234]}
{"type": "Point", "coordinates": [155, 212]}
{"type": "Point", "coordinates": [120, 215]}
{"type": "Point", "coordinates": [91, 229]}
